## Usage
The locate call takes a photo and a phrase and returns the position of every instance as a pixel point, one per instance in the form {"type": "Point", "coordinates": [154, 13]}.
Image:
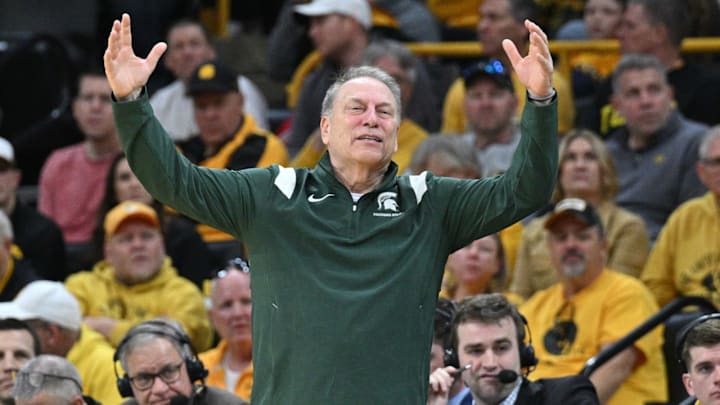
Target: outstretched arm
{"type": "Point", "coordinates": [125, 71]}
{"type": "Point", "coordinates": [535, 70]}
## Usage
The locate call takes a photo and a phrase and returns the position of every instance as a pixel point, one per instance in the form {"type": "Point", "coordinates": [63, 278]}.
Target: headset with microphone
{"type": "Point", "coordinates": [195, 368]}
{"type": "Point", "coordinates": [528, 360]}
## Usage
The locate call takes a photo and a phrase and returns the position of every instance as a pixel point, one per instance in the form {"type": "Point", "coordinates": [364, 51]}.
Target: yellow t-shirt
{"type": "Point", "coordinates": [600, 314]}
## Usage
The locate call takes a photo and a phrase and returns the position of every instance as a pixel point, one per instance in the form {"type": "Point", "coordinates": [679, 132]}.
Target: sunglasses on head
{"type": "Point", "coordinates": [492, 67]}
{"type": "Point", "coordinates": [235, 263]}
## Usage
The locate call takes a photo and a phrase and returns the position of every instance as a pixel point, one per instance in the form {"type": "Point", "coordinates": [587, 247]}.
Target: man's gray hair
{"type": "Point", "coordinates": [358, 72]}
{"type": "Point", "coordinates": [388, 47]}
{"type": "Point", "coordinates": [712, 135]}
{"type": "Point", "coordinates": [51, 375]}
{"type": "Point", "coordinates": [149, 331]}
{"type": "Point", "coordinates": [636, 61]}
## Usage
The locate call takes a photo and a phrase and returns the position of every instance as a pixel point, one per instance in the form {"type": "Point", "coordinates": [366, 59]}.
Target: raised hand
{"type": "Point", "coordinates": [125, 71]}
{"type": "Point", "coordinates": [535, 70]}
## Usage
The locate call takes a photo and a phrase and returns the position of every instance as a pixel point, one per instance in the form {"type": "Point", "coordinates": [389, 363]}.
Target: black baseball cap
{"type": "Point", "coordinates": [212, 77]}
{"type": "Point", "coordinates": [488, 68]}
{"type": "Point", "coordinates": [576, 207]}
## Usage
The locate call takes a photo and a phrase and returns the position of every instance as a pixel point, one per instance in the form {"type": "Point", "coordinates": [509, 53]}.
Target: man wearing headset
{"type": "Point", "coordinates": [162, 368]}
{"type": "Point", "coordinates": [699, 350]}
{"type": "Point", "coordinates": [489, 340]}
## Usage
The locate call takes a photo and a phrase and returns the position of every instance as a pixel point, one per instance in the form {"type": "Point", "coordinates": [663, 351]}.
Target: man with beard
{"type": "Point", "coordinates": [590, 308]}
{"type": "Point", "coordinates": [136, 281]}
{"type": "Point", "coordinates": [491, 346]}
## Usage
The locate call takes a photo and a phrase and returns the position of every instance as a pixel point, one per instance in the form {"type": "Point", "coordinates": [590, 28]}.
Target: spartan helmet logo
{"type": "Point", "coordinates": [386, 202]}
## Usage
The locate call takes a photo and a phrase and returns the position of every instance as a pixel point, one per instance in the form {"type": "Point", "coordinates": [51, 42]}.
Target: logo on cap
{"type": "Point", "coordinates": [206, 72]}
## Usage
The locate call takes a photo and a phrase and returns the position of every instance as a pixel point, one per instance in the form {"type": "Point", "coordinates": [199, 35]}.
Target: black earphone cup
{"type": "Point", "coordinates": [527, 356]}
{"type": "Point", "coordinates": [196, 370]}
{"type": "Point", "coordinates": [451, 358]}
{"type": "Point", "coordinates": [123, 386]}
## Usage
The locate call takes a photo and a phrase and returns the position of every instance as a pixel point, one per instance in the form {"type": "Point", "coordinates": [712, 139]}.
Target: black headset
{"type": "Point", "coordinates": [528, 360]}
{"type": "Point", "coordinates": [195, 368]}
{"type": "Point", "coordinates": [682, 335]}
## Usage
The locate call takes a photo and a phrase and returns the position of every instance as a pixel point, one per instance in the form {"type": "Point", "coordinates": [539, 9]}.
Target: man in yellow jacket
{"type": "Point", "coordinates": [136, 280]}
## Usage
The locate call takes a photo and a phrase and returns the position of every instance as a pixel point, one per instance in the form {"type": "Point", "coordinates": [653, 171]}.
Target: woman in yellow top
{"type": "Point", "coordinates": [585, 171]}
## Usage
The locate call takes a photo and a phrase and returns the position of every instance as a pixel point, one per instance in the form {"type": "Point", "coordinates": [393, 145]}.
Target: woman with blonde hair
{"type": "Point", "coordinates": [585, 171]}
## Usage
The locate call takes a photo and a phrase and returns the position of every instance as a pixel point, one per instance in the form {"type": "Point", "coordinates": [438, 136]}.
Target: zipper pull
{"type": "Point", "coordinates": [354, 207]}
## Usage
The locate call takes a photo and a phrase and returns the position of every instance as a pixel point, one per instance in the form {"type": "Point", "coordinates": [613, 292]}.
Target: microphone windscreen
{"type": "Point", "coordinates": [180, 400]}
{"type": "Point", "coordinates": [507, 376]}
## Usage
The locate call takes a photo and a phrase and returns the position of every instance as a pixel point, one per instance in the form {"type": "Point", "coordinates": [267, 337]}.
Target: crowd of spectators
{"type": "Point", "coordinates": [638, 146]}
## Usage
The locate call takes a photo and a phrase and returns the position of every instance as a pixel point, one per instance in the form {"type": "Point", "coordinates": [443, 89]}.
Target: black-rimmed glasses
{"type": "Point", "coordinates": [169, 374]}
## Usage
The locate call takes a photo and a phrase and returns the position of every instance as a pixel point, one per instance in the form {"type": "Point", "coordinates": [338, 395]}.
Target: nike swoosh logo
{"type": "Point", "coordinates": [313, 199]}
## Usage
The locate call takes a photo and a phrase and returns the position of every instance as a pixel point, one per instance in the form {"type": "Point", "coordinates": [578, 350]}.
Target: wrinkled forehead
{"type": "Point", "coordinates": [366, 88]}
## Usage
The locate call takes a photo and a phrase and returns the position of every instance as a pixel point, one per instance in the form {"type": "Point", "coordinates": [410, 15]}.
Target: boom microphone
{"type": "Point", "coordinates": [507, 376]}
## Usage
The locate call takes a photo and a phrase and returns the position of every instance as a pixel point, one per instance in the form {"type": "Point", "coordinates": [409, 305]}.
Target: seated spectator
{"type": "Point", "coordinates": [230, 363]}
{"type": "Point", "coordinates": [657, 28]}
{"type": "Point", "coordinates": [504, 19]}
{"type": "Point", "coordinates": [71, 179]}
{"type": "Point", "coordinates": [54, 315]}
{"type": "Point", "coordinates": [15, 273]}
{"type": "Point", "coordinates": [160, 350]}
{"type": "Point", "coordinates": [441, 351]}
{"type": "Point", "coordinates": [188, 46]}
{"type": "Point", "coordinates": [340, 33]}
{"type": "Point", "coordinates": [698, 345]}
{"type": "Point", "coordinates": [585, 171]}
{"type": "Point", "coordinates": [18, 344]}
{"type": "Point", "coordinates": [136, 280]}
{"type": "Point", "coordinates": [38, 237]}
{"type": "Point", "coordinates": [489, 106]}
{"type": "Point", "coordinates": [228, 138]}
{"type": "Point", "coordinates": [490, 341]}
{"type": "Point", "coordinates": [601, 20]}
{"type": "Point", "coordinates": [449, 156]}
{"type": "Point", "coordinates": [189, 253]}
{"type": "Point", "coordinates": [655, 152]}
{"type": "Point", "coordinates": [478, 268]}
{"type": "Point", "coordinates": [396, 60]}
{"type": "Point", "coordinates": [49, 379]}
{"type": "Point", "coordinates": [686, 258]}
{"type": "Point", "coordinates": [590, 308]}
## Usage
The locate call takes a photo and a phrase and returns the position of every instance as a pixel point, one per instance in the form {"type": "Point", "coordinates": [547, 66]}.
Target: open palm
{"type": "Point", "coordinates": [126, 71]}
{"type": "Point", "coordinates": [535, 70]}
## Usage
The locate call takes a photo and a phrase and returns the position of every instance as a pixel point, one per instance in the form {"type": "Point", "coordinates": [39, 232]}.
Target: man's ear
{"type": "Point", "coordinates": [687, 382]}
{"type": "Point", "coordinates": [325, 129]}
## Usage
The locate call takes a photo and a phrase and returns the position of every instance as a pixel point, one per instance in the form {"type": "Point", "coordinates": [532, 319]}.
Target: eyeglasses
{"type": "Point", "coordinates": [232, 264]}
{"type": "Point", "coordinates": [169, 374]}
{"type": "Point", "coordinates": [713, 163]}
{"type": "Point", "coordinates": [36, 379]}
